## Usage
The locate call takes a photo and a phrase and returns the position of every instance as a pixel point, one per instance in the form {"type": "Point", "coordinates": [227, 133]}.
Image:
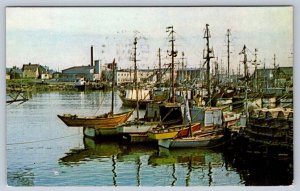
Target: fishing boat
{"type": "Point", "coordinates": [80, 84]}
{"type": "Point", "coordinates": [209, 132]}
{"type": "Point", "coordinates": [160, 133]}
{"type": "Point", "coordinates": [209, 120]}
{"type": "Point", "coordinates": [144, 95]}
{"type": "Point", "coordinates": [131, 96]}
{"type": "Point", "coordinates": [207, 140]}
{"type": "Point", "coordinates": [106, 122]}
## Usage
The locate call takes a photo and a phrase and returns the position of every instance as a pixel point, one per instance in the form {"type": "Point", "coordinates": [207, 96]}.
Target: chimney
{"type": "Point", "coordinates": [92, 59]}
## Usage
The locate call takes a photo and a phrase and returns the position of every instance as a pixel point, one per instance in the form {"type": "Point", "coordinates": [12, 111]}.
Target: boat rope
{"type": "Point", "coordinates": [101, 102]}
{"type": "Point", "coordinates": [37, 141]}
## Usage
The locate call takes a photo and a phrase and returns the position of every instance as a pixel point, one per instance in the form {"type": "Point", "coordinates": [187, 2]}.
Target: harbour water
{"type": "Point", "coordinates": [43, 151]}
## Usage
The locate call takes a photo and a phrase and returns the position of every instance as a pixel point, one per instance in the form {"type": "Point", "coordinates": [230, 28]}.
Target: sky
{"type": "Point", "coordinates": [61, 37]}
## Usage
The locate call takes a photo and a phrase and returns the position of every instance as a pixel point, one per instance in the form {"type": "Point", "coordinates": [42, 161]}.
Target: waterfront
{"type": "Point", "coordinates": [43, 151]}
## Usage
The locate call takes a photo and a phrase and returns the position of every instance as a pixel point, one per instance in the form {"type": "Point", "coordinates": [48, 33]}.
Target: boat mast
{"type": "Point", "coordinates": [256, 74]}
{"type": "Point", "coordinates": [173, 54]}
{"type": "Point", "coordinates": [228, 52]}
{"type": "Point", "coordinates": [274, 71]}
{"type": "Point", "coordinates": [135, 79]}
{"type": "Point", "coordinates": [208, 56]}
{"type": "Point", "coordinates": [112, 86]}
{"type": "Point", "coordinates": [246, 80]}
{"type": "Point", "coordinates": [159, 68]}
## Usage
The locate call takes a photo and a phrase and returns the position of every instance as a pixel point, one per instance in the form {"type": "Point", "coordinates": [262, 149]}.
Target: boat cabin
{"type": "Point", "coordinates": [207, 116]}
{"type": "Point", "coordinates": [167, 113]}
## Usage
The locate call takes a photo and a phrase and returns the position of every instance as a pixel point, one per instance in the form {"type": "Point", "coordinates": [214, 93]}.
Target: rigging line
{"type": "Point", "coordinates": [41, 140]}
{"type": "Point", "coordinates": [104, 96]}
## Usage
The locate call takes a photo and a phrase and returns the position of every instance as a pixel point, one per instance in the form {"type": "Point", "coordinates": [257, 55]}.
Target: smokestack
{"type": "Point", "coordinates": [92, 59]}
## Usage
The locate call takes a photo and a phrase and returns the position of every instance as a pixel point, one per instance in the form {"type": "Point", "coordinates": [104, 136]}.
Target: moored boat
{"type": "Point", "coordinates": [101, 124]}
{"type": "Point", "coordinates": [160, 133]}
{"type": "Point", "coordinates": [107, 120]}
{"type": "Point", "coordinates": [208, 140]}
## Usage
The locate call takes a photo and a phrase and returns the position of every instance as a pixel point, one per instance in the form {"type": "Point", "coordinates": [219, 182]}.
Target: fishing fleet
{"type": "Point", "coordinates": [209, 114]}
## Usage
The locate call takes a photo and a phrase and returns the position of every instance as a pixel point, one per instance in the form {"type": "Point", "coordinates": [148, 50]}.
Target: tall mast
{"type": "Point", "coordinates": [246, 80]}
{"type": "Point", "coordinates": [159, 68]}
{"type": "Point", "coordinates": [135, 79]}
{"type": "Point", "coordinates": [208, 56]}
{"type": "Point", "coordinates": [173, 54]}
{"type": "Point", "coordinates": [228, 52]}
{"type": "Point", "coordinates": [274, 71]}
{"type": "Point", "coordinates": [112, 86]}
{"type": "Point", "coordinates": [256, 74]}
{"type": "Point", "coordinates": [265, 84]}
{"type": "Point", "coordinates": [245, 61]}
{"type": "Point", "coordinates": [184, 70]}
{"type": "Point", "coordinates": [274, 61]}
{"type": "Point", "coordinates": [217, 71]}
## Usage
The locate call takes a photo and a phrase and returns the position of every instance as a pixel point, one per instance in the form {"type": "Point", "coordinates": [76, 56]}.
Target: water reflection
{"type": "Point", "coordinates": [187, 167]}
{"type": "Point", "coordinates": [22, 177]}
{"type": "Point", "coordinates": [92, 150]}
{"type": "Point", "coordinates": [256, 170]}
{"type": "Point", "coordinates": [191, 159]}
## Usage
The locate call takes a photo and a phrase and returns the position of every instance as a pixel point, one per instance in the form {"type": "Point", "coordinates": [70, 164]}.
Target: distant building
{"type": "Point", "coordinates": [71, 74]}
{"type": "Point", "coordinates": [89, 73]}
{"type": "Point", "coordinates": [127, 75]}
{"type": "Point", "coordinates": [274, 79]}
{"type": "Point", "coordinates": [14, 73]}
{"type": "Point", "coordinates": [33, 71]}
{"type": "Point", "coordinates": [56, 75]}
{"type": "Point", "coordinates": [46, 76]}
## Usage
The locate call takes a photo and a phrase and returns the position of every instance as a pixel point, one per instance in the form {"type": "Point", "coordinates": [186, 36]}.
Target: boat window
{"type": "Point", "coordinates": [209, 118]}
{"type": "Point", "coordinates": [217, 117]}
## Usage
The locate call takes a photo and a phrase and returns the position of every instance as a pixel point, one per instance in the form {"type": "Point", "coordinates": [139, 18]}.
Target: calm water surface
{"type": "Point", "coordinates": [43, 151]}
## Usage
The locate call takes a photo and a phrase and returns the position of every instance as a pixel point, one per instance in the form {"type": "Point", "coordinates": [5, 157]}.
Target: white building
{"type": "Point", "coordinates": [127, 76]}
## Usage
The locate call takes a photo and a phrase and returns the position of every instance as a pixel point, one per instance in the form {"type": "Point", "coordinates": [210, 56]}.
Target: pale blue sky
{"type": "Point", "coordinates": [61, 37]}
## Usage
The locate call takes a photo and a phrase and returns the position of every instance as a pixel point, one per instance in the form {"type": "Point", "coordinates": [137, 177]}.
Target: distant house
{"type": "Point", "coordinates": [71, 74]}
{"type": "Point", "coordinates": [46, 76]}
{"type": "Point", "coordinates": [14, 73]}
{"type": "Point", "coordinates": [33, 71]}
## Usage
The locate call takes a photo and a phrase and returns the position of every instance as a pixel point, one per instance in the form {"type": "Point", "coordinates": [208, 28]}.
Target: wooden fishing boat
{"type": "Point", "coordinates": [208, 141]}
{"type": "Point", "coordinates": [107, 120]}
{"type": "Point", "coordinates": [160, 133]}
{"type": "Point", "coordinates": [93, 124]}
